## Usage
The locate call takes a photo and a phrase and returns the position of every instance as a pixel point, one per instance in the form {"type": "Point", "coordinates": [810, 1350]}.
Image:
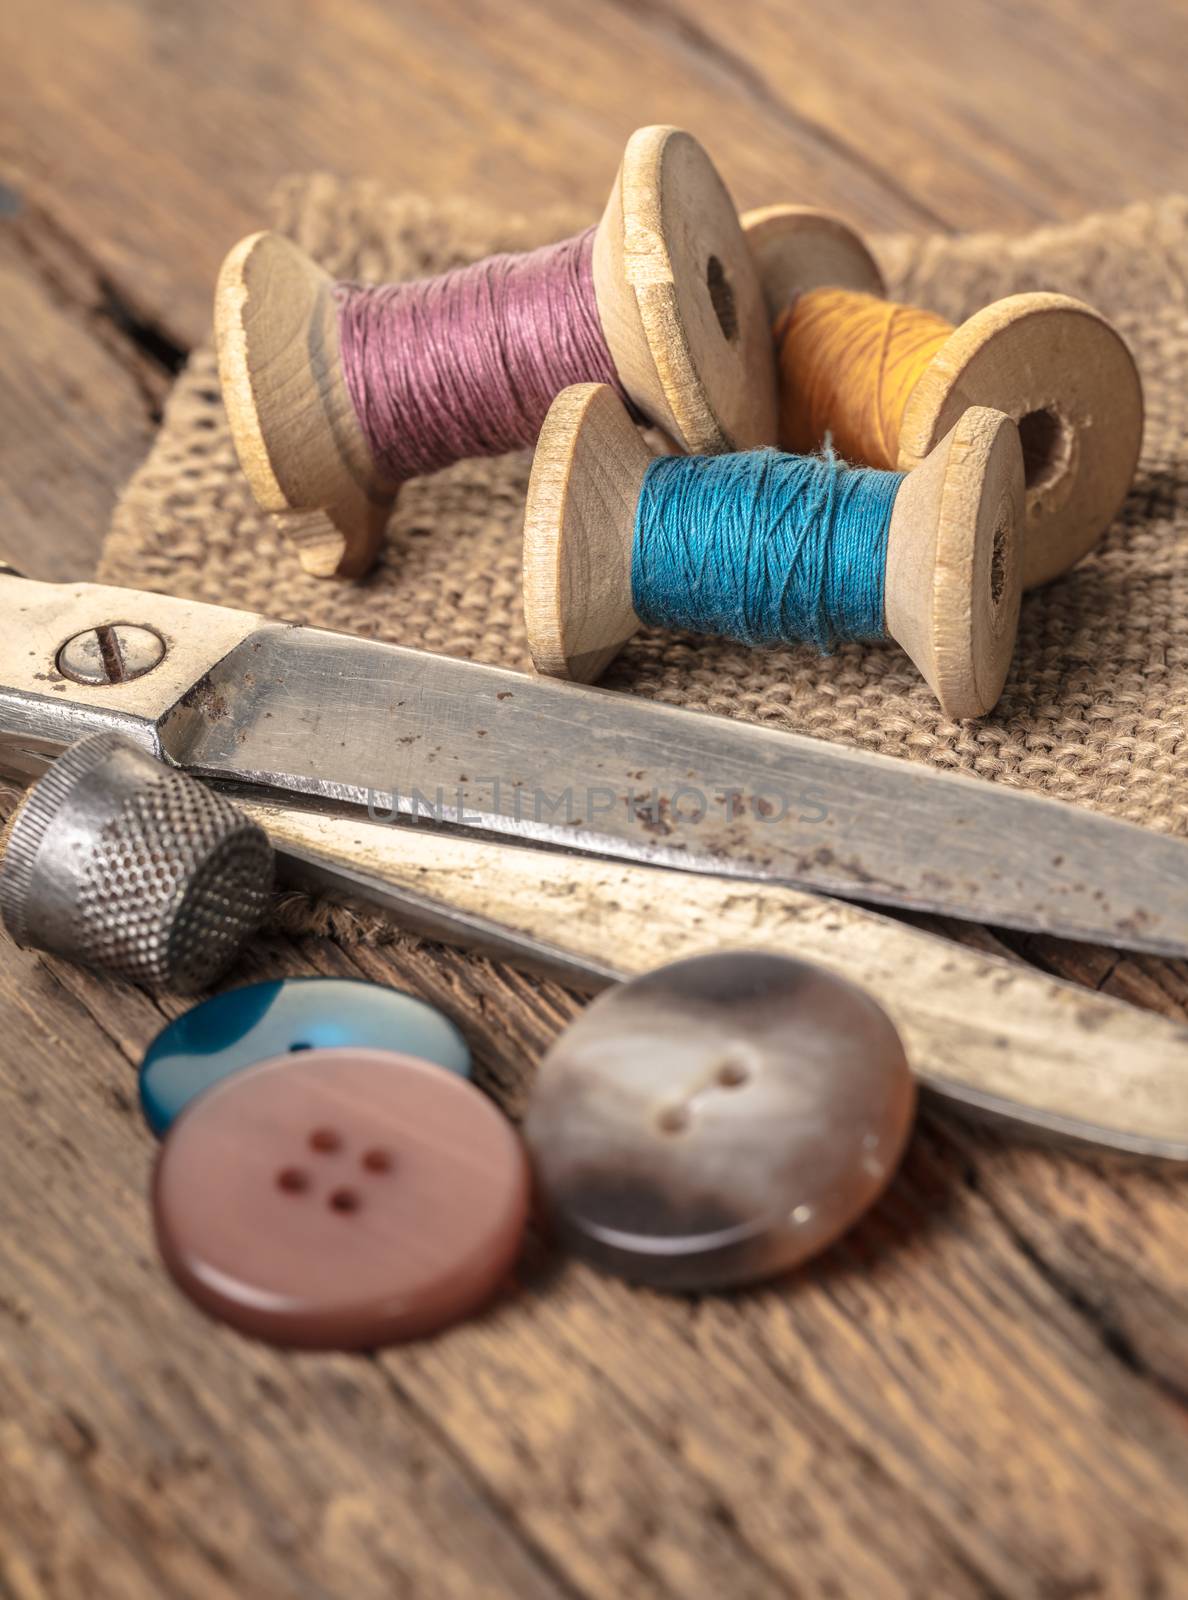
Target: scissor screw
{"type": "Point", "coordinates": [113, 653]}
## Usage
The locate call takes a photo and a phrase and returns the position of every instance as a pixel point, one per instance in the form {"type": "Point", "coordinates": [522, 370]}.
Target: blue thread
{"type": "Point", "coordinates": [763, 547]}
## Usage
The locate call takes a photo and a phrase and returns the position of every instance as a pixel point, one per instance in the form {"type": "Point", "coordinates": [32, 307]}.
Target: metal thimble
{"type": "Point", "coordinates": [121, 863]}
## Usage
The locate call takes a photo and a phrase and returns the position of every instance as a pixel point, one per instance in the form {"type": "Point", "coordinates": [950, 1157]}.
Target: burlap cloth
{"type": "Point", "coordinates": [1096, 705]}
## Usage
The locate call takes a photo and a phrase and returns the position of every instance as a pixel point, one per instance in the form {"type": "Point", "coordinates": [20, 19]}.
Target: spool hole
{"type": "Point", "coordinates": [998, 554]}
{"type": "Point", "coordinates": [1047, 448]}
{"type": "Point", "coordinates": [722, 298]}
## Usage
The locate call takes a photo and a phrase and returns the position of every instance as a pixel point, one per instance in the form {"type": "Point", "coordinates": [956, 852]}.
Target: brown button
{"type": "Point", "coordinates": [340, 1199]}
{"type": "Point", "coordinates": [719, 1120]}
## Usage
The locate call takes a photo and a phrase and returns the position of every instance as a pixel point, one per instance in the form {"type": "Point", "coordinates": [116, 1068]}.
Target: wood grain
{"type": "Point", "coordinates": [297, 435]}
{"type": "Point", "coordinates": [982, 1393]}
{"type": "Point", "coordinates": [975, 115]}
{"type": "Point", "coordinates": [927, 1410]}
{"type": "Point", "coordinates": [70, 372]}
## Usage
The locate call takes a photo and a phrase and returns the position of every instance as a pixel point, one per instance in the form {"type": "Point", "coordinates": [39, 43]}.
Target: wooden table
{"type": "Point", "coordinates": [982, 1393]}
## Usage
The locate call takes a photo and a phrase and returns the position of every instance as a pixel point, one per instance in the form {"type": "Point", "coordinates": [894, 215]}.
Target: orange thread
{"type": "Point", "coordinates": [848, 364]}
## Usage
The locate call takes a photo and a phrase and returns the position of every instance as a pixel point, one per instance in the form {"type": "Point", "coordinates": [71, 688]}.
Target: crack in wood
{"type": "Point", "coordinates": [149, 337]}
{"type": "Point", "coordinates": [1112, 1337]}
{"type": "Point", "coordinates": [69, 270]}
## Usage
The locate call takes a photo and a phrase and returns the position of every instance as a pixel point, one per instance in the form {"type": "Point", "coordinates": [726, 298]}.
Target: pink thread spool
{"type": "Point", "coordinates": [336, 394]}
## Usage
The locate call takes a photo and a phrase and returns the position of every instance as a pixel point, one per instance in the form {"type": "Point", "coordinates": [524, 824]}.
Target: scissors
{"type": "Point", "coordinates": [592, 835]}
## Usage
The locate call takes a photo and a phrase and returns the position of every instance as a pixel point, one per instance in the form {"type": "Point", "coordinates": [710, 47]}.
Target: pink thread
{"type": "Point", "coordinates": [468, 364]}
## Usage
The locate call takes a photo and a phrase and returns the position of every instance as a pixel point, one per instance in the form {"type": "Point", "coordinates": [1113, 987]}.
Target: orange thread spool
{"type": "Point", "coordinates": [848, 364]}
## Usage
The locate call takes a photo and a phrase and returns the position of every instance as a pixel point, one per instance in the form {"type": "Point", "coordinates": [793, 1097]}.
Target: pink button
{"type": "Point", "coordinates": [341, 1199]}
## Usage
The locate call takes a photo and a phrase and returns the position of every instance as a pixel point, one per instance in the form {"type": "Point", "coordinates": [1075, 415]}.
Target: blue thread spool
{"type": "Point", "coordinates": [764, 548]}
{"type": "Point", "coordinates": [771, 549]}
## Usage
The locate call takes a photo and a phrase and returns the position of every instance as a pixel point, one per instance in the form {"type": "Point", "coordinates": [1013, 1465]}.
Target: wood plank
{"type": "Point", "coordinates": [78, 405]}
{"type": "Point", "coordinates": [167, 180]}
{"type": "Point", "coordinates": [159, 133]}
{"type": "Point", "coordinates": [860, 1426]}
{"type": "Point", "coordinates": [142, 1450]}
{"type": "Point", "coordinates": [981, 1392]}
{"type": "Point", "coordinates": [984, 111]}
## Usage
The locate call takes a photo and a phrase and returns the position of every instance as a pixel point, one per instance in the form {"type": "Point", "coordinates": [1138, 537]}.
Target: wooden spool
{"type": "Point", "coordinates": [953, 581]}
{"type": "Point", "coordinates": [1051, 363]}
{"type": "Point", "coordinates": [680, 303]}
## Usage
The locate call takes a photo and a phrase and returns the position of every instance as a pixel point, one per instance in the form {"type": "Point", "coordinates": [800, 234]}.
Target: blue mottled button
{"type": "Point", "coordinates": [243, 1026]}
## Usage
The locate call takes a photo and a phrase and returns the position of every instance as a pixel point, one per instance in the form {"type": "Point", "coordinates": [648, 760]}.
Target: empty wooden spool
{"type": "Point", "coordinates": [953, 577]}
{"type": "Point", "coordinates": [1051, 363]}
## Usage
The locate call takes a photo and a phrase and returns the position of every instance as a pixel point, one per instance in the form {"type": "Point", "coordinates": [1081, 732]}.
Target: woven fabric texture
{"type": "Point", "coordinates": [1096, 706]}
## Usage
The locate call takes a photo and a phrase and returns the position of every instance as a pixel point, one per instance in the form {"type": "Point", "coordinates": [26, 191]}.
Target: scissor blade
{"type": "Point", "coordinates": [988, 1033]}
{"type": "Point", "coordinates": [296, 710]}
{"type": "Point", "coordinates": [408, 735]}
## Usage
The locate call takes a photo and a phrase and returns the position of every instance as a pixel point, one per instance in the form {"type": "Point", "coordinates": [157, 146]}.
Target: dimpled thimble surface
{"type": "Point", "coordinates": [236, 1029]}
{"type": "Point", "coordinates": [340, 1199]}
{"type": "Point", "coordinates": [719, 1120]}
{"type": "Point", "coordinates": [122, 863]}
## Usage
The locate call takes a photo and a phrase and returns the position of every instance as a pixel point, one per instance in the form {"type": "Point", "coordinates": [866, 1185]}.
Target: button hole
{"type": "Point", "coordinates": [344, 1200]}
{"type": "Point", "coordinates": [673, 1119]}
{"type": "Point", "coordinates": [377, 1161]}
{"type": "Point", "coordinates": [733, 1073]}
{"type": "Point", "coordinates": [302, 1044]}
{"type": "Point", "coordinates": [292, 1180]}
{"type": "Point", "coordinates": [325, 1141]}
